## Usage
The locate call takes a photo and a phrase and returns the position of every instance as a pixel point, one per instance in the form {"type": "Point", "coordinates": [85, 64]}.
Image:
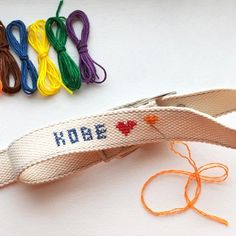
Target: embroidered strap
{"type": "Point", "coordinates": [59, 150]}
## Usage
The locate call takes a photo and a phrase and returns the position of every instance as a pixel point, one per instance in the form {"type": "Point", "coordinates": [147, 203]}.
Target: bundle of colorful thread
{"type": "Point", "coordinates": [40, 35]}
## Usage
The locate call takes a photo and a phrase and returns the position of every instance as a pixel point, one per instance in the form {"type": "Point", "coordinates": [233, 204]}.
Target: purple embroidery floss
{"type": "Point", "coordinates": [86, 63]}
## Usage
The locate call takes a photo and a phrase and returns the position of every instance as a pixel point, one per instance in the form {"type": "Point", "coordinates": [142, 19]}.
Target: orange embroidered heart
{"type": "Point", "coordinates": [126, 127]}
{"type": "Point", "coordinates": [151, 119]}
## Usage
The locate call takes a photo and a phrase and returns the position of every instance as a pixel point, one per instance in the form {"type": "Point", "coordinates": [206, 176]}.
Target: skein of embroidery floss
{"type": "Point", "coordinates": [86, 64]}
{"type": "Point", "coordinates": [49, 79]}
{"type": "Point", "coordinates": [21, 49]}
{"type": "Point", "coordinates": [8, 65]}
{"type": "Point", "coordinates": [69, 71]}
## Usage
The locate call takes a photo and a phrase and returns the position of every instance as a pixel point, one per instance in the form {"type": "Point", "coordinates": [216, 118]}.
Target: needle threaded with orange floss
{"type": "Point", "coordinates": [197, 176]}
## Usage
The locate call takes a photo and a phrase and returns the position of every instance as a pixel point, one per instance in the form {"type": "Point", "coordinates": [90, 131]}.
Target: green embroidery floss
{"type": "Point", "coordinates": [69, 70]}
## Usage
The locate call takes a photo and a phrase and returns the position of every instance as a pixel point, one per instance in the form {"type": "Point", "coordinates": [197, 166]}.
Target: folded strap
{"type": "Point", "coordinates": [59, 150]}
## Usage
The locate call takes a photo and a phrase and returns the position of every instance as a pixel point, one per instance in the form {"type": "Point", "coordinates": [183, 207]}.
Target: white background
{"type": "Point", "coordinates": [148, 47]}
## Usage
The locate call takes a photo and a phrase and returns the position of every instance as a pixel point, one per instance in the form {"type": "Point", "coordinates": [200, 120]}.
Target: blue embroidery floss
{"type": "Point", "coordinates": [73, 136]}
{"type": "Point", "coordinates": [21, 49]}
{"type": "Point", "coordinates": [101, 131]}
{"type": "Point", "coordinates": [59, 138]}
{"type": "Point", "coordinates": [80, 135]}
{"type": "Point", "coordinates": [86, 133]}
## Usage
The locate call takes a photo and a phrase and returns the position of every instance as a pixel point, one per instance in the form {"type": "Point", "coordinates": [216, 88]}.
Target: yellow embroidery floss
{"type": "Point", "coordinates": [49, 78]}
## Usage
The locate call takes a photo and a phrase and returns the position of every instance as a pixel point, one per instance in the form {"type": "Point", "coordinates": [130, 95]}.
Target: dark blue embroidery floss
{"type": "Point", "coordinates": [101, 131]}
{"type": "Point", "coordinates": [73, 136]}
{"type": "Point", "coordinates": [59, 138]}
{"type": "Point", "coordinates": [21, 49]}
{"type": "Point", "coordinates": [86, 133]}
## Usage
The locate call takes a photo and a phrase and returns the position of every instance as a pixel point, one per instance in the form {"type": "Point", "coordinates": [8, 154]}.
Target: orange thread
{"type": "Point", "coordinates": [0, 87]}
{"type": "Point", "coordinates": [196, 175]}
{"type": "Point", "coordinates": [151, 119]}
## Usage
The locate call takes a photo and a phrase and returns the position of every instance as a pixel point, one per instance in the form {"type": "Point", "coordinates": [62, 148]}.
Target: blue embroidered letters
{"type": "Point", "coordinates": [81, 134]}
{"type": "Point", "coordinates": [101, 131]}
{"type": "Point", "coordinates": [73, 136]}
{"type": "Point", "coordinates": [59, 137]}
{"type": "Point", "coordinates": [86, 133]}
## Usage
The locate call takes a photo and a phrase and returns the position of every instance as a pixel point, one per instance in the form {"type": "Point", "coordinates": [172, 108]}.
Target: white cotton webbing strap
{"type": "Point", "coordinates": [59, 150]}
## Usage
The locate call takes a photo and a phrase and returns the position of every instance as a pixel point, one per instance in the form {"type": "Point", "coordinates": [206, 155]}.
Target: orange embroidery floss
{"type": "Point", "coordinates": [197, 175]}
{"type": "Point", "coordinates": [0, 87]}
{"type": "Point", "coordinates": [151, 119]}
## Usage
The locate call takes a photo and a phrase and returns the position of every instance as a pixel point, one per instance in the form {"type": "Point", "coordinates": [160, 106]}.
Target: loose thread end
{"type": "Point", "coordinates": [67, 89]}
{"type": "Point", "coordinates": [59, 8]}
{"type": "Point", "coordinates": [196, 176]}
{"type": "Point", "coordinates": [222, 221]}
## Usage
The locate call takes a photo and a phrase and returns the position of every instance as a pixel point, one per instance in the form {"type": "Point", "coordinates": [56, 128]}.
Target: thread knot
{"type": "Point", "coordinates": [61, 49]}
{"type": "Point", "coordinates": [82, 48]}
{"type": "Point", "coordinates": [43, 55]}
{"type": "Point", "coordinates": [24, 58]}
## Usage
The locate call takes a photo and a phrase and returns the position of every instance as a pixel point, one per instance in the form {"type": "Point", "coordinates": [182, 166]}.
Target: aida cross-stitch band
{"type": "Point", "coordinates": [59, 150]}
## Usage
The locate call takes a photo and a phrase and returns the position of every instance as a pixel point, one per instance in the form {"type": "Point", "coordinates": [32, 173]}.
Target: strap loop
{"type": "Point", "coordinates": [59, 150]}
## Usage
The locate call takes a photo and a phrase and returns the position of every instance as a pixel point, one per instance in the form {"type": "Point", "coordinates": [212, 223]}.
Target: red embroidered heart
{"type": "Point", "coordinates": [126, 127]}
